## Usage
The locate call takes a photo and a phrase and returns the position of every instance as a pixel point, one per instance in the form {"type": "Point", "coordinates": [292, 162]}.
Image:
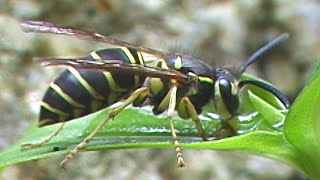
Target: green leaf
{"type": "Point", "coordinates": [137, 128]}
{"type": "Point", "coordinates": [268, 144]}
{"type": "Point", "coordinates": [262, 93]}
{"type": "Point", "coordinates": [271, 115]}
{"type": "Point", "coordinates": [302, 127]}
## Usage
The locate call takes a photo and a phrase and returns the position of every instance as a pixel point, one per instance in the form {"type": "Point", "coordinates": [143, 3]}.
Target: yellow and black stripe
{"type": "Point", "coordinates": [78, 92]}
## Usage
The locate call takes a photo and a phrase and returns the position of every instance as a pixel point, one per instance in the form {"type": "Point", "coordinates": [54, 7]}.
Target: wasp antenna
{"type": "Point", "coordinates": [261, 51]}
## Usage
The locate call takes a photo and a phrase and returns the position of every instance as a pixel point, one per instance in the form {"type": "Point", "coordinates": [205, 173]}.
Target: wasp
{"type": "Point", "coordinates": [138, 76]}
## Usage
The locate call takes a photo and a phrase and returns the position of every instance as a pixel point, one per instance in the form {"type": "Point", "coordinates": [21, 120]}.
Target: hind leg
{"type": "Point", "coordinates": [47, 139]}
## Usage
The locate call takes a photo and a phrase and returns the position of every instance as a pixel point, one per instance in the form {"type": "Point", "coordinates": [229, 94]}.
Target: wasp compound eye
{"type": "Point", "coordinates": [229, 96]}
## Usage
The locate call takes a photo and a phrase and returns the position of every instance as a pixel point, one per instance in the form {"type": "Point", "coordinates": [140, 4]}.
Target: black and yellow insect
{"type": "Point", "coordinates": [139, 76]}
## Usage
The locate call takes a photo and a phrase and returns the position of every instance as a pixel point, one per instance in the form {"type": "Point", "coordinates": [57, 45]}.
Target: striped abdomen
{"type": "Point", "coordinates": [78, 92]}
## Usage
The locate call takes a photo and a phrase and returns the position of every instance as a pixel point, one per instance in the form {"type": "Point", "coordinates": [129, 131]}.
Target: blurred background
{"type": "Point", "coordinates": [222, 33]}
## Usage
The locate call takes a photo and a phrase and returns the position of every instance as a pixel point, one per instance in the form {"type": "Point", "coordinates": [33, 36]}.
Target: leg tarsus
{"type": "Point", "coordinates": [171, 108]}
{"type": "Point", "coordinates": [180, 161]}
{"type": "Point", "coordinates": [47, 139]}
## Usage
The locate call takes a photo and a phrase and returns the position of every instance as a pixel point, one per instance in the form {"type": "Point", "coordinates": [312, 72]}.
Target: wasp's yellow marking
{"type": "Point", "coordinates": [85, 84]}
{"type": "Point", "coordinates": [133, 61]}
{"type": "Point", "coordinates": [52, 109]}
{"type": "Point", "coordinates": [95, 56]}
{"type": "Point", "coordinates": [129, 55]}
{"type": "Point", "coordinates": [152, 60]}
{"type": "Point", "coordinates": [140, 57]}
{"type": "Point", "coordinates": [163, 64]}
{"type": "Point", "coordinates": [205, 79]}
{"type": "Point", "coordinates": [113, 85]}
{"type": "Point", "coordinates": [178, 63]}
{"type": "Point", "coordinates": [192, 91]}
{"type": "Point", "coordinates": [234, 89]}
{"type": "Point", "coordinates": [155, 85]}
{"type": "Point", "coordinates": [65, 96]}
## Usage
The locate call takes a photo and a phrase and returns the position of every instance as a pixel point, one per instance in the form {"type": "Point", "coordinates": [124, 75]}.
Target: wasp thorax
{"type": "Point", "coordinates": [186, 64]}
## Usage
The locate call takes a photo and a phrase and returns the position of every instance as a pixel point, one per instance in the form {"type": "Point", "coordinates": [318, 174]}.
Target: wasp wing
{"type": "Point", "coordinates": [48, 27]}
{"type": "Point", "coordinates": [117, 66]}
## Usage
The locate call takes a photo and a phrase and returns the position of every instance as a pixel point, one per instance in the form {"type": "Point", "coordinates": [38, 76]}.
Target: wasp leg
{"type": "Point", "coordinates": [47, 139]}
{"type": "Point", "coordinates": [228, 127]}
{"type": "Point", "coordinates": [171, 108]}
{"type": "Point", "coordinates": [136, 94]}
{"type": "Point", "coordinates": [194, 116]}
